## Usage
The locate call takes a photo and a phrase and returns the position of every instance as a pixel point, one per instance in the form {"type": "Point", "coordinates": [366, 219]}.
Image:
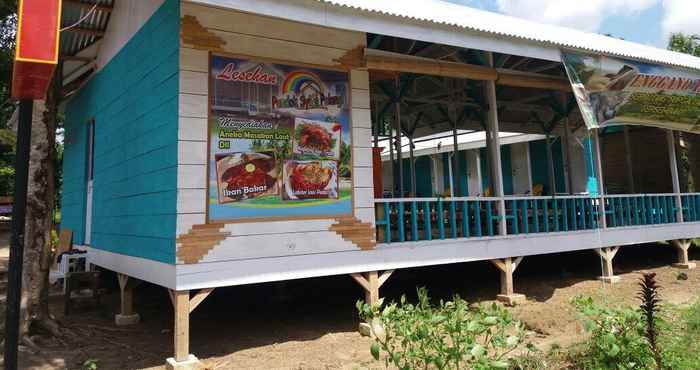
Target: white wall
{"type": "Point", "coordinates": [126, 18]}
{"type": "Point", "coordinates": [264, 37]}
{"type": "Point", "coordinates": [522, 174]}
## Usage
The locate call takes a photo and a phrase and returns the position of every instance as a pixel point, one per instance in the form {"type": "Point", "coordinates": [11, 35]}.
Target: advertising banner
{"type": "Point", "coordinates": [279, 139]}
{"type": "Point", "coordinates": [612, 91]}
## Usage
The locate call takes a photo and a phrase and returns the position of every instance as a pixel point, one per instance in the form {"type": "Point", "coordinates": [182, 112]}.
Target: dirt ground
{"type": "Point", "coordinates": [311, 323]}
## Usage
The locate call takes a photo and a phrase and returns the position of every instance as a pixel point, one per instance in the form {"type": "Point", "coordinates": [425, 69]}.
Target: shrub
{"type": "Point", "coordinates": [617, 338]}
{"type": "Point", "coordinates": [451, 335]}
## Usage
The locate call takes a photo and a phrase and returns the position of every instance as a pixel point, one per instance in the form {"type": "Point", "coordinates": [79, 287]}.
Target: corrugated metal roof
{"type": "Point", "coordinates": [94, 15]}
{"type": "Point", "coordinates": [445, 13]}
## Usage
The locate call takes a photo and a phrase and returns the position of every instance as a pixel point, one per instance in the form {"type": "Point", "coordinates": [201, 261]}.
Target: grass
{"type": "Point", "coordinates": [681, 339]}
{"type": "Point", "coordinates": [680, 345]}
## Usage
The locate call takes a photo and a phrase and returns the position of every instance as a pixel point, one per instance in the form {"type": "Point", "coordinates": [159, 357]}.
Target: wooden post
{"type": "Point", "coordinates": [671, 140]}
{"type": "Point", "coordinates": [682, 247]}
{"type": "Point", "coordinates": [126, 315]}
{"type": "Point", "coordinates": [399, 134]}
{"type": "Point", "coordinates": [628, 160]}
{"type": "Point", "coordinates": [567, 157]}
{"type": "Point", "coordinates": [599, 176]}
{"type": "Point", "coordinates": [183, 360]}
{"type": "Point", "coordinates": [372, 294]}
{"type": "Point", "coordinates": [494, 139]}
{"type": "Point", "coordinates": [550, 165]}
{"type": "Point", "coordinates": [507, 267]}
{"type": "Point", "coordinates": [371, 282]}
{"type": "Point", "coordinates": [607, 255]}
{"type": "Point", "coordinates": [457, 184]}
{"type": "Point", "coordinates": [182, 325]}
{"type": "Point", "coordinates": [412, 160]}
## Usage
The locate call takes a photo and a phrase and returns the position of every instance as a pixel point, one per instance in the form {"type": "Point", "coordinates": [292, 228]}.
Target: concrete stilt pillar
{"type": "Point", "coordinates": [682, 247]}
{"type": "Point", "coordinates": [607, 255]}
{"type": "Point", "coordinates": [126, 315]}
{"type": "Point", "coordinates": [507, 267]}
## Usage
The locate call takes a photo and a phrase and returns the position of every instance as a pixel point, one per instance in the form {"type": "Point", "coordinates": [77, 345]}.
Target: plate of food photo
{"type": "Point", "coordinates": [310, 180]}
{"type": "Point", "coordinates": [242, 176]}
{"type": "Point", "coordinates": [317, 138]}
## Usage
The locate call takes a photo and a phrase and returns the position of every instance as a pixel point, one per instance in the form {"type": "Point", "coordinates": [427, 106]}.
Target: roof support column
{"type": "Point", "coordinates": [628, 160]}
{"type": "Point", "coordinates": [493, 142]}
{"type": "Point", "coordinates": [399, 144]}
{"type": "Point", "coordinates": [602, 223]}
{"type": "Point", "coordinates": [457, 191]}
{"type": "Point", "coordinates": [671, 140]}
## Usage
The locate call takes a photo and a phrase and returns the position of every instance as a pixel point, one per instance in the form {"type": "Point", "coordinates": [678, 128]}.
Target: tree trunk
{"type": "Point", "coordinates": [39, 224]}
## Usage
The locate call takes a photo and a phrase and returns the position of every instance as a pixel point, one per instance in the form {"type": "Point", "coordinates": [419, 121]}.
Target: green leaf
{"type": "Point", "coordinates": [502, 364]}
{"type": "Point", "coordinates": [374, 350]}
{"type": "Point", "coordinates": [491, 320]}
{"type": "Point", "coordinates": [478, 350]}
{"type": "Point", "coordinates": [512, 341]}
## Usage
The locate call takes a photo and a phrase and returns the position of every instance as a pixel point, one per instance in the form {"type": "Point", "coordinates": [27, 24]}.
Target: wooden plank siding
{"type": "Point", "coordinates": [133, 101]}
{"type": "Point", "coordinates": [650, 163]}
{"type": "Point", "coordinates": [208, 29]}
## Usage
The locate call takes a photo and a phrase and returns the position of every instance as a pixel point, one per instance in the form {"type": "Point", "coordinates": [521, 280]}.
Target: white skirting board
{"type": "Point", "coordinates": [414, 254]}
{"type": "Point", "coordinates": [385, 257]}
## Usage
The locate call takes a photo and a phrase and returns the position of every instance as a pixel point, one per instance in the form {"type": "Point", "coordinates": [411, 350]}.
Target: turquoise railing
{"type": "Point", "coordinates": [414, 219]}
{"type": "Point", "coordinates": [417, 219]}
{"type": "Point", "coordinates": [691, 207]}
{"type": "Point", "coordinates": [642, 209]}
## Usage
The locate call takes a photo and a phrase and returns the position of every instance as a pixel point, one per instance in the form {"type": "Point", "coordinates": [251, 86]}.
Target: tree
{"type": "Point", "coordinates": [41, 183]}
{"type": "Point", "coordinates": [688, 44]}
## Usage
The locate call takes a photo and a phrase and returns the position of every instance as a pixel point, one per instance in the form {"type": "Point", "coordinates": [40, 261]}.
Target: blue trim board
{"type": "Point", "coordinates": [134, 102]}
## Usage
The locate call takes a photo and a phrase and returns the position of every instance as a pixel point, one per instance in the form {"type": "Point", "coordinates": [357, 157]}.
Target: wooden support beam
{"type": "Point", "coordinates": [380, 62]}
{"type": "Point", "coordinates": [493, 143]}
{"type": "Point", "coordinates": [673, 164]}
{"type": "Point", "coordinates": [198, 298]}
{"type": "Point", "coordinates": [602, 220]}
{"type": "Point", "coordinates": [126, 316]}
{"type": "Point", "coordinates": [372, 294]}
{"type": "Point", "coordinates": [507, 267]}
{"type": "Point", "coordinates": [182, 325]}
{"type": "Point", "coordinates": [384, 277]}
{"type": "Point", "coordinates": [383, 61]}
{"type": "Point", "coordinates": [682, 246]}
{"type": "Point", "coordinates": [371, 282]}
{"type": "Point", "coordinates": [517, 80]}
{"type": "Point", "coordinates": [607, 255]}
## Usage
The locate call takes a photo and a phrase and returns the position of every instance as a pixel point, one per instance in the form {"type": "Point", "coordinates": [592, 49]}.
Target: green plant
{"type": "Point", "coordinates": [680, 338]}
{"type": "Point", "coordinates": [649, 295]}
{"type": "Point", "coordinates": [452, 335]}
{"type": "Point", "coordinates": [90, 364]}
{"type": "Point", "coordinates": [617, 338]}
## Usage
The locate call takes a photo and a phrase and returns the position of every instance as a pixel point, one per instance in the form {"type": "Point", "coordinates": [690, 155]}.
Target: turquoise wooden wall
{"type": "Point", "coordinates": [424, 185]}
{"type": "Point", "coordinates": [506, 169]}
{"type": "Point", "coordinates": [134, 102]}
{"type": "Point", "coordinates": [462, 173]}
{"type": "Point", "coordinates": [538, 164]}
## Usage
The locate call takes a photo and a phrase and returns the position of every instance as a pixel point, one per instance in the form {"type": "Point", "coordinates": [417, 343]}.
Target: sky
{"type": "Point", "coordinates": [644, 21]}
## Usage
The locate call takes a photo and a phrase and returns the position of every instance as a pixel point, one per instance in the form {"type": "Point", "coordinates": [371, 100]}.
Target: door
{"type": "Point", "coordinates": [90, 153]}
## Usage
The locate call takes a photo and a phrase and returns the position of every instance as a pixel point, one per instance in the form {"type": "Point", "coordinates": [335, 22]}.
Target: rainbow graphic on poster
{"type": "Point", "coordinates": [276, 135]}
{"type": "Point", "coordinates": [298, 81]}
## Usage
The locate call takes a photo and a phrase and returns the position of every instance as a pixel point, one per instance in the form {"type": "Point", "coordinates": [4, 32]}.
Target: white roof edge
{"type": "Point", "coordinates": [456, 25]}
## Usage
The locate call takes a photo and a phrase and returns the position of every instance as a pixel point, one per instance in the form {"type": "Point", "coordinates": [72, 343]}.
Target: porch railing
{"type": "Point", "coordinates": [416, 219]}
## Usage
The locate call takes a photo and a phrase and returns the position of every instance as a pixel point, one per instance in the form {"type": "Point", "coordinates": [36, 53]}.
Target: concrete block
{"type": "Point", "coordinates": [126, 320]}
{"type": "Point", "coordinates": [511, 299]}
{"type": "Point", "coordinates": [685, 266]}
{"type": "Point", "coordinates": [192, 363]}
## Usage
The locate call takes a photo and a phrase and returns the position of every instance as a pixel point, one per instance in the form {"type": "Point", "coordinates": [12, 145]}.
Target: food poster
{"type": "Point", "coordinates": [279, 139]}
{"type": "Point", "coordinates": [613, 91]}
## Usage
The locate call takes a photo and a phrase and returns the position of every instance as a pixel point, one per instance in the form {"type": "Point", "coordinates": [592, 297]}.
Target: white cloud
{"type": "Point", "coordinates": [586, 15]}
{"type": "Point", "coordinates": [681, 16]}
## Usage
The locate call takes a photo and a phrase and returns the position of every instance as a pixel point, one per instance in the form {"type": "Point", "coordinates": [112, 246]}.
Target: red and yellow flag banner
{"type": "Point", "coordinates": [36, 53]}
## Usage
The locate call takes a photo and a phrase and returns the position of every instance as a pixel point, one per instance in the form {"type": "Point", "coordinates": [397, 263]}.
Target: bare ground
{"type": "Point", "coordinates": [311, 323]}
